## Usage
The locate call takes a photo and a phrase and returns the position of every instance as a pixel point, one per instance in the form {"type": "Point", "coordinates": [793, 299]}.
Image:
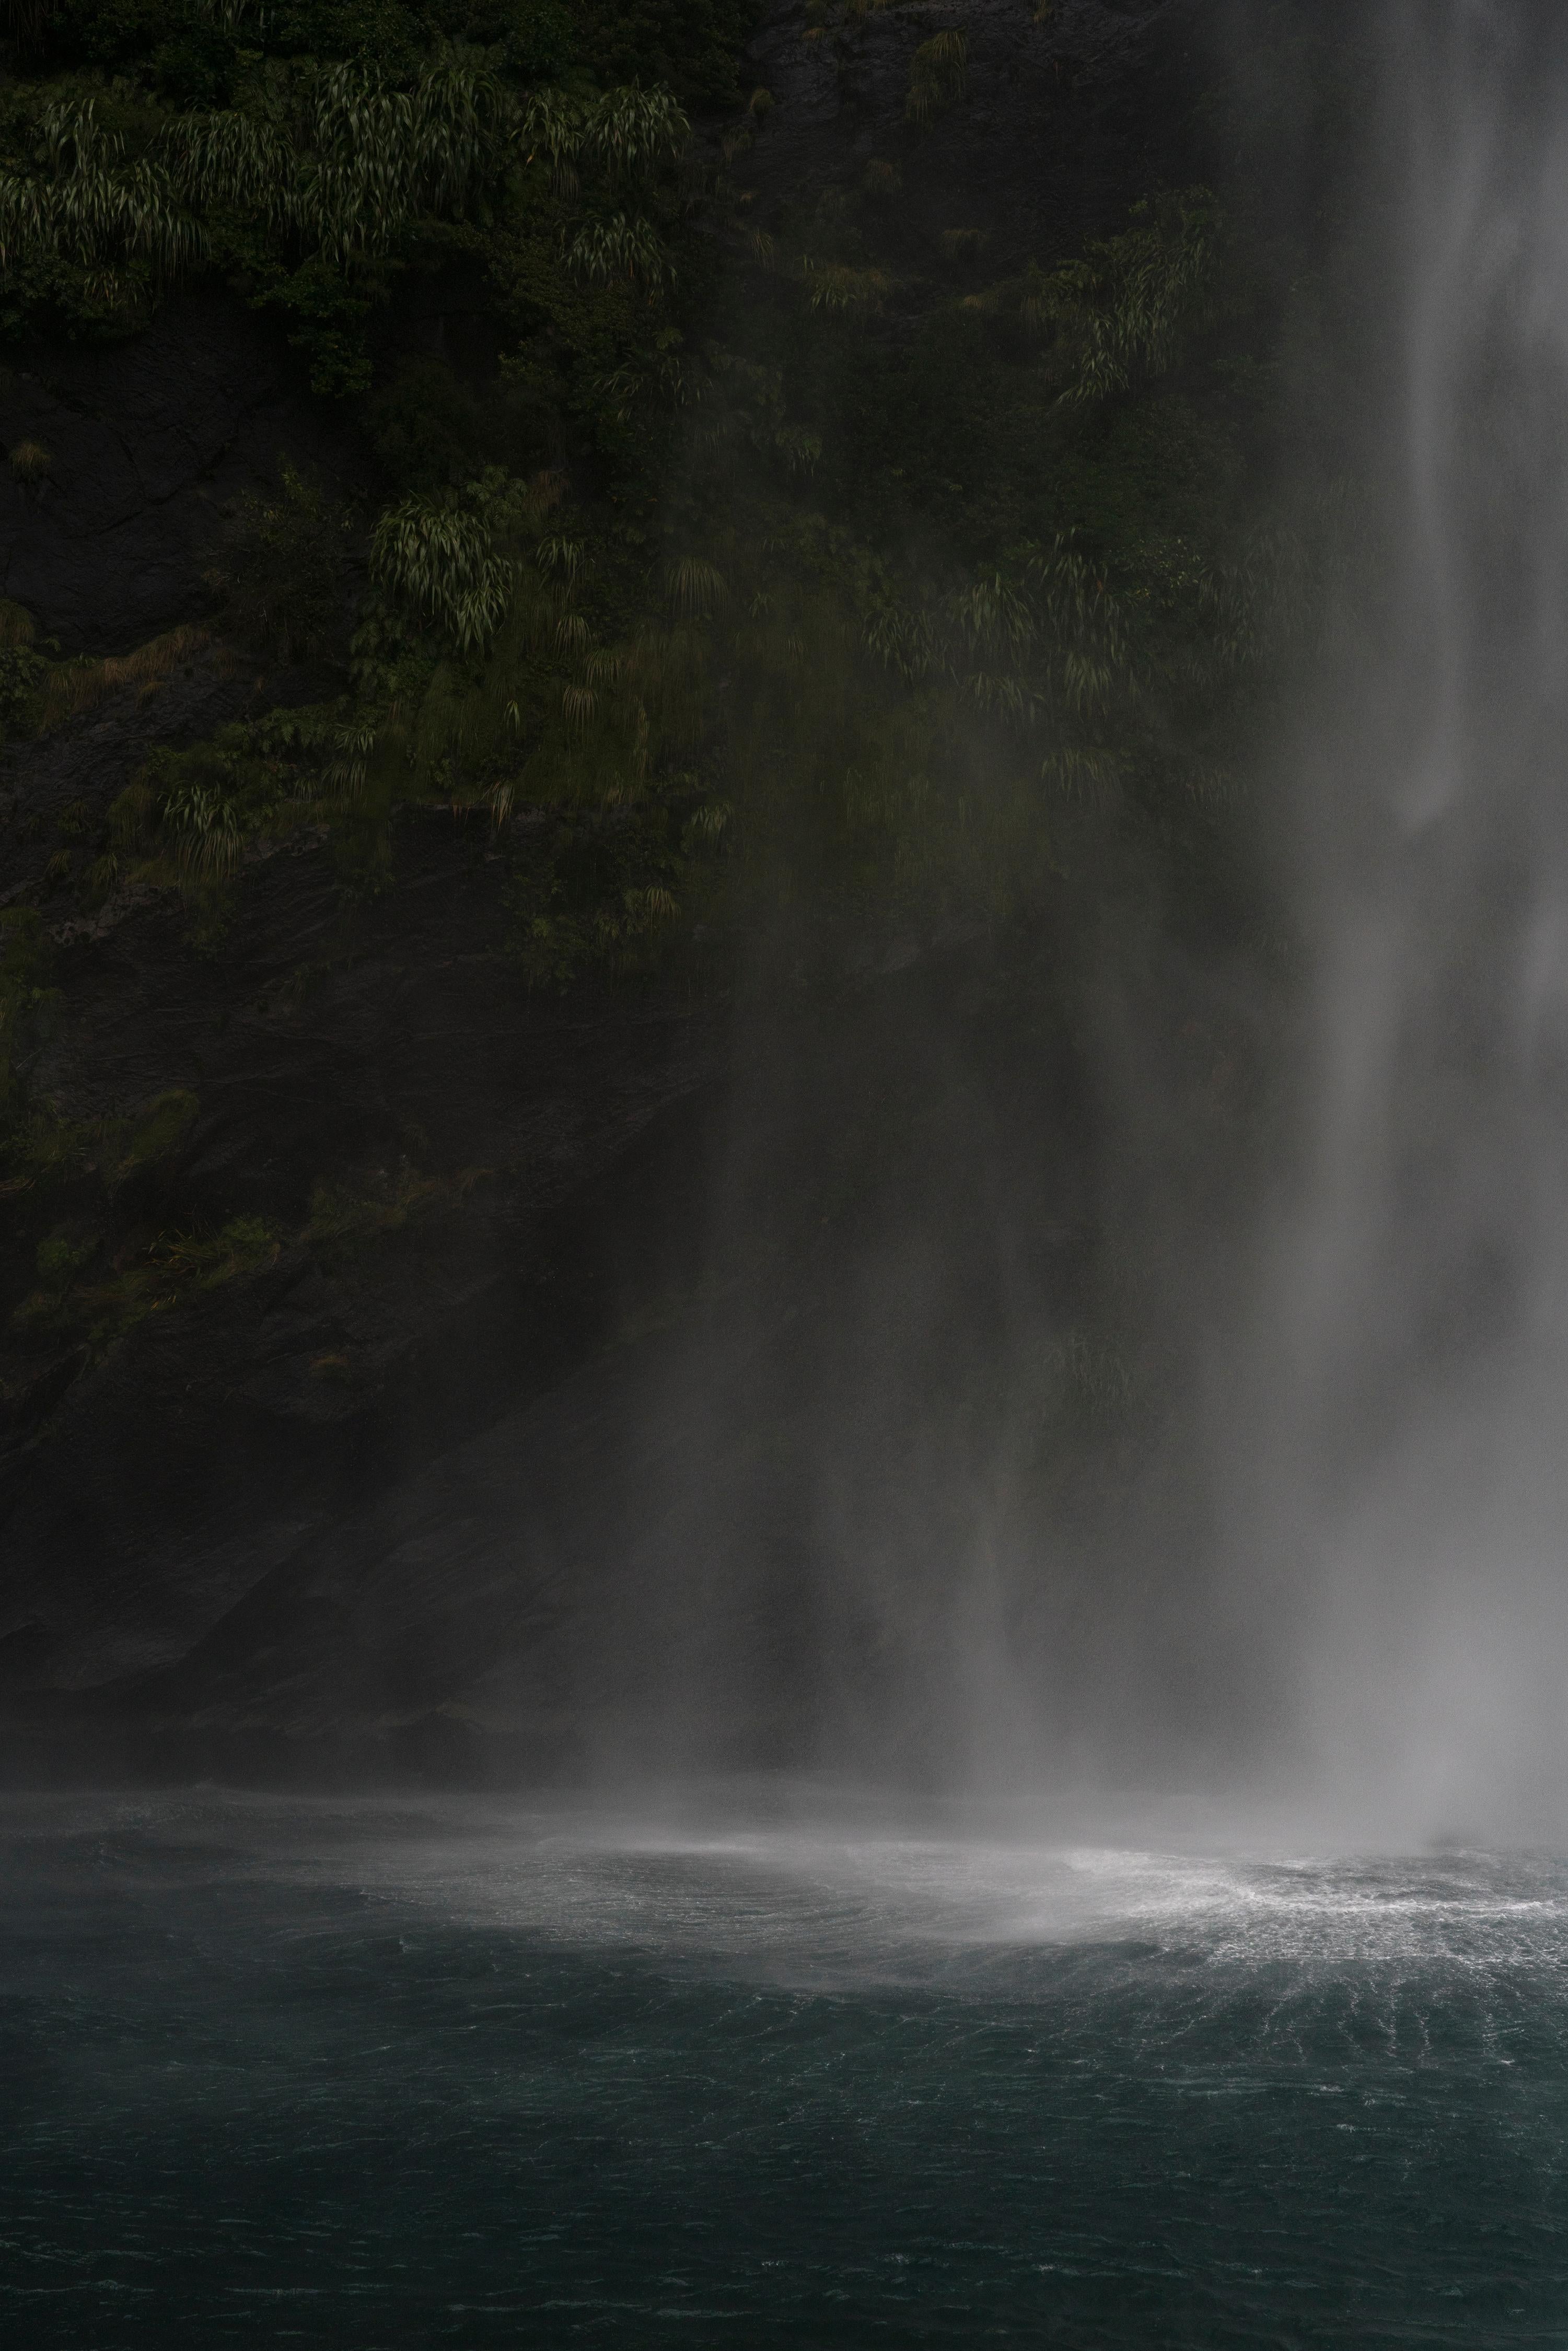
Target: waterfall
{"type": "Point", "coordinates": [1399, 1438]}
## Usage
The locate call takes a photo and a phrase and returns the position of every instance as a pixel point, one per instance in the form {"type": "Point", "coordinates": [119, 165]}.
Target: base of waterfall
{"type": "Point", "coordinates": [367, 2073]}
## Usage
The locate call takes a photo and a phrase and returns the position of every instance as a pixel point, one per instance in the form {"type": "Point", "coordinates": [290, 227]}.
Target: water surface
{"type": "Point", "coordinates": [364, 2073]}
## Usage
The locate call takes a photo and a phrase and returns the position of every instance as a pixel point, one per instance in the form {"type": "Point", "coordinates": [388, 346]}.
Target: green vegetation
{"type": "Point", "coordinates": [709, 669]}
{"type": "Point", "coordinates": [82, 1298]}
{"type": "Point", "coordinates": [938, 77]}
{"type": "Point", "coordinates": [337, 149]}
{"type": "Point", "coordinates": [760, 590]}
{"type": "Point", "coordinates": [108, 1254]}
{"type": "Point", "coordinates": [344, 1215]}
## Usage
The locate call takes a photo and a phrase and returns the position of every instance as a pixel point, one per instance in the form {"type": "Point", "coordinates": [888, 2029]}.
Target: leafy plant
{"type": "Point", "coordinates": [835, 285]}
{"type": "Point", "coordinates": [619, 247]}
{"type": "Point", "coordinates": [342, 162]}
{"type": "Point", "coordinates": [60, 1258]}
{"type": "Point", "coordinates": [1122, 311]}
{"type": "Point", "coordinates": [435, 554]}
{"type": "Point", "coordinates": [90, 209]}
{"type": "Point", "coordinates": [187, 821]}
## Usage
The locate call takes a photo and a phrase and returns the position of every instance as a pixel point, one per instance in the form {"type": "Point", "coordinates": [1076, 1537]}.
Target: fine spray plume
{"type": "Point", "coordinates": [1126, 1378]}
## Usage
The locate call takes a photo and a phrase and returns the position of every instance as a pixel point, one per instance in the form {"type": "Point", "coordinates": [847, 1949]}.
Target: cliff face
{"type": "Point", "coordinates": [353, 1474]}
{"type": "Point", "coordinates": [1070, 112]}
{"type": "Point", "coordinates": [148, 443]}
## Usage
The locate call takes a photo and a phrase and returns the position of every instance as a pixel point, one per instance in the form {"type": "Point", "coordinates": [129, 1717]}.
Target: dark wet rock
{"type": "Point", "coordinates": [146, 1494]}
{"type": "Point", "coordinates": [55, 792]}
{"type": "Point", "coordinates": [1070, 113]}
{"type": "Point", "coordinates": [148, 441]}
{"type": "Point", "coordinates": [483, 1501]}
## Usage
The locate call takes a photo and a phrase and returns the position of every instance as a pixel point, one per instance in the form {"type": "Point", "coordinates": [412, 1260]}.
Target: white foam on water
{"type": "Point", "coordinates": [807, 1900]}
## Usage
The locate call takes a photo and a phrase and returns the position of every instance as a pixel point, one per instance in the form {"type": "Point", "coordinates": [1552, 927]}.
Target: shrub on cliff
{"type": "Point", "coordinates": [314, 185]}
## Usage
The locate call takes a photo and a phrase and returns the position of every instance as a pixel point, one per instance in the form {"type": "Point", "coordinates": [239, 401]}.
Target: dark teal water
{"type": "Point", "coordinates": [337, 2074]}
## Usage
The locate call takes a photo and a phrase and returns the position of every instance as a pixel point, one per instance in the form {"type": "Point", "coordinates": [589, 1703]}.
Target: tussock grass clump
{"type": "Point", "coordinates": [169, 1272]}
{"type": "Point", "coordinates": [72, 688]}
{"type": "Point", "coordinates": [696, 587]}
{"type": "Point", "coordinates": [1124, 311]}
{"type": "Point", "coordinates": [206, 1260]}
{"type": "Point", "coordinates": [117, 221]}
{"type": "Point", "coordinates": [834, 286]}
{"type": "Point", "coordinates": [437, 556]}
{"type": "Point", "coordinates": [939, 76]}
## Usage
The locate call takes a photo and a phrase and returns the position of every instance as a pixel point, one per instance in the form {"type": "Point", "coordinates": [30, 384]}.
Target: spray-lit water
{"type": "Point", "coordinates": [359, 2074]}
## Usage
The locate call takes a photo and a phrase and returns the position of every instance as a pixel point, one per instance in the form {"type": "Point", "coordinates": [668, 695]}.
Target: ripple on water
{"type": "Point", "coordinates": [357, 2075]}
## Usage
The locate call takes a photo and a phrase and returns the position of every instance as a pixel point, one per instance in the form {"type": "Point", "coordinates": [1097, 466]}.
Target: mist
{"type": "Point", "coordinates": [1071, 1465]}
